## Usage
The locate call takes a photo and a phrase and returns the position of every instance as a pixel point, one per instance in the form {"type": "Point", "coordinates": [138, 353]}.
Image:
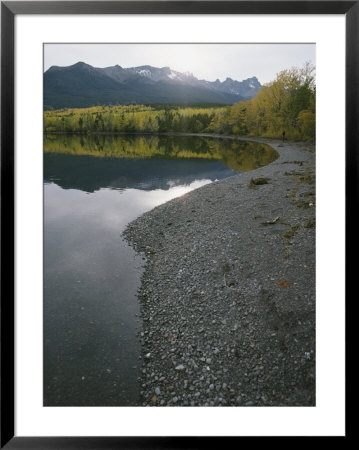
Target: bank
{"type": "Point", "coordinates": [228, 292]}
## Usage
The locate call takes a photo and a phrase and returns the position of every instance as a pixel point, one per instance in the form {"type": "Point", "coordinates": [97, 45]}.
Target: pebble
{"type": "Point", "coordinates": [223, 326]}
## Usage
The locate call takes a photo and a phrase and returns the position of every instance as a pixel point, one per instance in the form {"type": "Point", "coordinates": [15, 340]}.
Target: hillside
{"type": "Point", "coordinates": [82, 85]}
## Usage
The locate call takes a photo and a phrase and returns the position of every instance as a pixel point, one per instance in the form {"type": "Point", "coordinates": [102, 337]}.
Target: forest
{"type": "Point", "coordinates": [284, 104]}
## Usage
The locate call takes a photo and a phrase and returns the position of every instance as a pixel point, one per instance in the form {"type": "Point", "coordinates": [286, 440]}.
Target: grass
{"type": "Point", "coordinates": [225, 268]}
{"type": "Point", "coordinates": [304, 205]}
{"type": "Point", "coordinates": [311, 223]}
{"type": "Point", "coordinates": [307, 176]}
{"type": "Point", "coordinates": [257, 182]}
{"type": "Point", "coordinates": [289, 234]}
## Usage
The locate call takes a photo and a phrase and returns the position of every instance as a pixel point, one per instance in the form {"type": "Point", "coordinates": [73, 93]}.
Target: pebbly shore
{"type": "Point", "coordinates": [228, 292]}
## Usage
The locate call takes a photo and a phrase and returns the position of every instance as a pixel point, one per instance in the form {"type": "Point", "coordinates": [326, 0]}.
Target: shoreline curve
{"type": "Point", "coordinates": [228, 293]}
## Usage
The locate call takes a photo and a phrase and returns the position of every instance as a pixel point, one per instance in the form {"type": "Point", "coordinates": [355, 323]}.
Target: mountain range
{"type": "Point", "coordinates": [82, 85]}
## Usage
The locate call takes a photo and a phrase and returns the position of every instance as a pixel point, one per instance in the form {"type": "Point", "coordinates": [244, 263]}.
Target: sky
{"type": "Point", "coordinates": [204, 61]}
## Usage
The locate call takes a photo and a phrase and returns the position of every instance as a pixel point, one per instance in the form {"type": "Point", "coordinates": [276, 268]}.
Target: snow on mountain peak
{"type": "Point", "coordinates": [173, 75]}
{"type": "Point", "coordinates": [144, 73]}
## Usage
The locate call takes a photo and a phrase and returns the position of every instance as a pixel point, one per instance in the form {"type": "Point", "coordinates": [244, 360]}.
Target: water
{"type": "Point", "coordinates": [93, 187]}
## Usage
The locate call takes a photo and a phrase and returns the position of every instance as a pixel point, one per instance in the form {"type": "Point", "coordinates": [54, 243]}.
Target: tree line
{"type": "Point", "coordinates": [285, 104]}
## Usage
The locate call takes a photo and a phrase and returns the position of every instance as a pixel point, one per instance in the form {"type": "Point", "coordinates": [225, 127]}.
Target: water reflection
{"type": "Point", "coordinates": [90, 281]}
{"type": "Point", "coordinates": [147, 162]}
{"type": "Point", "coordinates": [93, 188]}
{"type": "Point", "coordinates": [90, 174]}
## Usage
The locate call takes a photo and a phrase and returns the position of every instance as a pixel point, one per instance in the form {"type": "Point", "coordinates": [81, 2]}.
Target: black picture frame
{"type": "Point", "coordinates": [9, 9]}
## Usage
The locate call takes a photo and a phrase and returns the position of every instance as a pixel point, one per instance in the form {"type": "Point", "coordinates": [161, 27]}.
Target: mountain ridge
{"type": "Point", "coordinates": [82, 85]}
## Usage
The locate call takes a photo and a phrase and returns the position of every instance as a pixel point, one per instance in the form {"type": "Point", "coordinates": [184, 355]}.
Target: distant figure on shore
{"type": "Point", "coordinates": [283, 136]}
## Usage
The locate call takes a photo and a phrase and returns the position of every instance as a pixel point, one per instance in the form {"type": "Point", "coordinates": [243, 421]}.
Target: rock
{"type": "Point", "coordinates": [222, 330]}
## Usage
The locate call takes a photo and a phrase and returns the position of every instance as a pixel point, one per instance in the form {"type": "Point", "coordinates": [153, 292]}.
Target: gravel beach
{"type": "Point", "coordinates": [228, 292]}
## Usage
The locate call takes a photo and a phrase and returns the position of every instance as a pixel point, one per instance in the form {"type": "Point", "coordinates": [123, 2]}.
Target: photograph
{"type": "Point", "coordinates": [179, 224]}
